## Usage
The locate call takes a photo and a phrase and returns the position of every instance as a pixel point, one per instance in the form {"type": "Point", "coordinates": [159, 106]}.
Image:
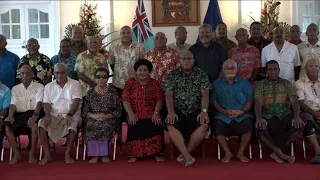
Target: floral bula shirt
{"type": "Point", "coordinates": [40, 67]}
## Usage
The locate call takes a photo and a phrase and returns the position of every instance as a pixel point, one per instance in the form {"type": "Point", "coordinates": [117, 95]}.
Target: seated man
{"type": "Point", "coordinates": [62, 105]}
{"type": "Point", "coordinates": [277, 124]}
{"type": "Point", "coordinates": [5, 97]}
{"type": "Point", "coordinates": [308, 91]}
{"type": "Point", "coordinates": [232, 100]}
{"type": "Point", "coordinates": [187, 97]}
{"type": "Point", "coordinates": [24, 112]}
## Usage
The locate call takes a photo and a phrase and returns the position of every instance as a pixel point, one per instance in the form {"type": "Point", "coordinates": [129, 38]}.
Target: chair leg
{"type": "Point", "coordinates": [2, 151]}
{"type": "Point", "coordinates": [219, 156]}
{"type": "Point", "coordinates": [78, 144]}
{"type": "Point", "coordinates": [250, 151]}
{"type": "Point", "coordinates": [10, 157]}
{"type": "Point", "coordinates": [260, 149]}
{"type": "Point", "coordinates": [84, 151]}
{"type": "Point", "coordinates": [115, 147]}
{"type": "Point", "coordinates": [292, 149]}
{"type": "Point", "coordinates": [40, 157]}
{"type": "Point", "coordinates": [304, 148]}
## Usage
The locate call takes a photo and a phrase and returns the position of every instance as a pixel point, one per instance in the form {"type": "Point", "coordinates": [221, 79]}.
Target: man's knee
{"type": "Point", "coordinates": [309, 129]}
{"type": "Point", "coordinates": [204, 127]}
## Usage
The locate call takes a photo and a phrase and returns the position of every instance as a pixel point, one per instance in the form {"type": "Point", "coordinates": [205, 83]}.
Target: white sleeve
{"type": "Point", "coordinates": [46, 94]}
{"type": "Point", "coordinates": [300, 92]}
{"type": "Point", "coordinates": [76, 94]}
{"type": "Point", "coordinates": [296, 60]}
{"type": "Point", "coordinates": [40, 94]}
{"type": "Point", "coordinates": [14, 98]}
{"type": "Point", "coordinates": [263, 57]}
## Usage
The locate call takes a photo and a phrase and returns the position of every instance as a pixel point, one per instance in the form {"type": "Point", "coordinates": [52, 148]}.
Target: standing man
{"type": "Point", "coordinates": [246, 56]}
{"type": "Point", "coordinates": [256, 39]}
{"type": "Point", "coordinates": [163, 58]}
{"type": "Point", "coordinates": [8, 64]}
{"type": "Point", "coordinates": [285, 53]}
{"type": "Point", "coordinates": [181, 36]}
{"type": "Point", "coordinates": [295, 35]}
{"type": "Point", "coordinates": [78, 45]}
{"type": "Point", "coordinates": [222, 37]}
{"type": "Point", "coordinates": [208, 55]}
{"type": "Point", "coordinates": [311, 47]}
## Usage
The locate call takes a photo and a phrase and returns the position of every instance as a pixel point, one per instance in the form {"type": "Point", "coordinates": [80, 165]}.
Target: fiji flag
{"type": "Point", "coordinates": [141, 28]}
{"type": "Point", "coordinates": [213, 16]}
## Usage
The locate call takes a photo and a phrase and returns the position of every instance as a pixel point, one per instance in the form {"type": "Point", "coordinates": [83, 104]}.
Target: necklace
{"type": "Point", "coordinates": [101, 91]}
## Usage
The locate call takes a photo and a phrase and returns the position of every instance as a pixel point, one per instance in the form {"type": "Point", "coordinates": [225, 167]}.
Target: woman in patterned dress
{"type": "Point", "coordinates": [142, 98]}
{"type": "Point", "coordinates": [102, 111]}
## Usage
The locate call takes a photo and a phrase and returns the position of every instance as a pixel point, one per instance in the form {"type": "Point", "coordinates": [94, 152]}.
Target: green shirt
{"type": "Point", "coordinates": [187, 89]}
{"type": "Point", "coordinates": [227, 44]}
{"type": "Point", "coordinates": [275, 97]}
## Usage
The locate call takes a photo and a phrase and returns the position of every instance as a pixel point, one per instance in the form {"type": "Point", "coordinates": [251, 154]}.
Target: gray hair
{"type": "Point", "coordinates": [230, 60]}
{"type": "Point", "coordinates": [205, 26]}
{"type": "Point", "coordinates": [59, 66]}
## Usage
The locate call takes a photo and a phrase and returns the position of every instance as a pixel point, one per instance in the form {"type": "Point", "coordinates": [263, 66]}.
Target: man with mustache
{"type": "Point", "coordinates": [208, 55]}
{"type": "Point", "coordinates": [222, 37]}
{"type": "Point", "coordinates": [285, 53]}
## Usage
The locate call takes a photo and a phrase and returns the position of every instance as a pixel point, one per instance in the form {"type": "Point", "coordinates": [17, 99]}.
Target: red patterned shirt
{"type": "Point", "coordinates": [247, 59]}
{"type": "Point", "coordinates": [143, 98]}
{"type": "Point", "coordinates": [163, 62]}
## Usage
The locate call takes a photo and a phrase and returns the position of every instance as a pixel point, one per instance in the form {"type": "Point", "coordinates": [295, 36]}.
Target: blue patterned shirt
{"type": "Point", "coordinates": [8, 68]}
{"type": "Point", "coordinates": [5, 96]}
{"type": "Point", "coordinates": [231, 97]}
{"type": "Point", "coordinates": [70, 63]}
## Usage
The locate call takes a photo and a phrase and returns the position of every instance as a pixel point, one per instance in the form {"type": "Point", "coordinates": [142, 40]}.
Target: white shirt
{"type": "Point", "coordinates": [61, 98]}
{"type": "Point", "coordinates": [307, 51]}
{"type": "Point", "coordinates": [27, 98]}
{"type": "Point", "coordinates": [288, 58]}
{"type": "Point", "coordinates": [309, 92]}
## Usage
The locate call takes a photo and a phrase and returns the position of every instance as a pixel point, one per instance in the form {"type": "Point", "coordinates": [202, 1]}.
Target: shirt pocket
{"type": "Point", "coordinates": [241, 98]}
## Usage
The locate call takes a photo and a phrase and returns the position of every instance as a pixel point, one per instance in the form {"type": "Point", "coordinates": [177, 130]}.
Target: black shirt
{"type": "Point", "coordinates": [209, 59]}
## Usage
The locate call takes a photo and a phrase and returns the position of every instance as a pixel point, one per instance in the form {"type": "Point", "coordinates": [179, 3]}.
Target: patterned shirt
{"type": "Point", "coordinates": [306, 50]}
{"type": "Point", "coordinates": [275, 97]}
{"type": "Point", "coordinates": [40, 67]}
{"type": "Point", "coordinates": [143, 98]}
{"type": "Point", "coordinates": [163, 62]}
{"type": "Point", "coordinates": [87, 63]}
{"type": "Point", "coordinates": [70, 63]}
{"type": "Point", "coordinates": [5, 97]}
{"type": "Point", "coordinates": [308, 92]}
{"type": "Point", "coordinates": [231, 97]}
{"type": "Point", "coordinates": [247, 59]}
{"type": "Point", "coordinates": [123, 60]}
{"type": "Point", "coordinates": [226, 43]}
{"type": "Point", "coordinates": [260, 44]}
{"type": "Point", "coordinates": [187, 89]}
{"type": "Point", "coordinates": [181, 50]}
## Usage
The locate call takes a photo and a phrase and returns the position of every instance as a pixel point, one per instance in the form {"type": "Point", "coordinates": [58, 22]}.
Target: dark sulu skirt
{"type": "Point", "coordinates": [144, 139]}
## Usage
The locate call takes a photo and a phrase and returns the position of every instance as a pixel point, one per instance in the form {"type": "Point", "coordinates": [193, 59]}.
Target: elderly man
{"type": "Point", "coordinates": [277, 112]}
{"type": "Point", "coordinates": [187, 110]}
{"type": "Point", "coordinates": [8, 64]}
{"type": "Point", "coordinates": [246, 56]}
{"type": "Point", "coordinates": [222, 37]}
{"type": "Point", "coordinates": [87, 62]}
{"type": "Point", "coordinates": [308, 91]}
{"type": "Point", "coordinates": [78, 44]}
{"type": "Point", "coordinates": [181, 36]}
{"type": "Point", "coordinates": [163, 58]}
{"type": "Point", "coordinates": [295, 35]}
{"type": "Point", "coordinates": [5, 97]}
{"type": "Point", "coordinates": [40, 63]}
{"type": "Point", "coordinates": [309, 47]}
{"type": "Point", "coordinates": [208, 55]}
{"type": "Point", "coordinates": [232, 99]}
{"type": "Point", "coordinates": [62, 107]}
{"type": "Point", "coordinates": [24, 112]}
{"type": "Point", "coordinates": [256, 39]}
{"type": "Point", "coordinates": [285, 53]}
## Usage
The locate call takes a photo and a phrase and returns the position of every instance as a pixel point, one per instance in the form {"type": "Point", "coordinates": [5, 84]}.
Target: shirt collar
{"type": "Point", "coordinates": [211, 43]}
{"type": "Point", "coordinates": [224, 79]}
{"type": "Point", "coordinates": [308, 44]}
{"type": "Point", "coordinates": [307, 80]}
{"type": "Point", "coordinates": [131, 45]}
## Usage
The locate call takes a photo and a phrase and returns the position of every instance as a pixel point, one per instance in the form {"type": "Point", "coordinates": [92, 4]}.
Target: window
{"type": "Point", "coordinates": [310, 13]}
{"type": "Point", "coordinates": [38, 24]}
{"type": "Point", "coordinates": [10, 24]}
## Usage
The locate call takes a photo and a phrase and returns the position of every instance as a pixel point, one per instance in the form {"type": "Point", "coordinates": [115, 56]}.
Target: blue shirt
{"type": "Point", "coordinates": [5, 96]}
{"type": "Point", "coordinates": [70, 63]}
{"type": "Point", "coordinates": [209, 59]}
{"type": "Point", "coordinates": [8, 68]}
{"type": "Point", "coordinates": [231, 97]}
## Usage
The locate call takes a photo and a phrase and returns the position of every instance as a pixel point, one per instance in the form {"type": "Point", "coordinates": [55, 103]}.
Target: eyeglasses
{"type": "Point", "coordinates": [313, 88]}
{"type": "Point", "coordinates": [229, 68]}
{"type": "Point", "coordinates": [103, 76]}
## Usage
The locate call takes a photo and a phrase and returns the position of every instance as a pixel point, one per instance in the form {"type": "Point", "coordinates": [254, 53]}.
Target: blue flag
{"type": "Point", "coordinates": [141, 28]}
{"type": "Point", "coordinates": [213, 16]}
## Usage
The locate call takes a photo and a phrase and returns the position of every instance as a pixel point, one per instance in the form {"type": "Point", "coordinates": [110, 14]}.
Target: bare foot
{"type": "Point", "coordinates": [45, 160]}
{"type": "Point", "coordinates": [181, 159]}
{"type": "Point", "coordinates": [227, 158]}
{"type": "Point", "coordinates": [289, 159]}
{"type": "Point", "coordinates": [189, 162]}
{"type": "Point", "coordinates": [94, 160]}
{"type": "Point", "coordinates": [105, 159]}
{"type": "Point", "coordinates": [32, 158]}
{"type": "Point", "coordinates": [15, 159]}
{"type": "Point", "coordinates": [131, 160]}
{"type": "Point", "coordinates": [68, 158]}
{"type": "Point", "coordinates": [242, 158]}
{"type": "Point", "coordinates": [159, 158]}
{"type": "Point", "coordinates": [275, 157]}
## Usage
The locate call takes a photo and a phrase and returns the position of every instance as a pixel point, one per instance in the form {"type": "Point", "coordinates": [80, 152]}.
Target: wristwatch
{"type": "Point", "coordinates": [204, 110]}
